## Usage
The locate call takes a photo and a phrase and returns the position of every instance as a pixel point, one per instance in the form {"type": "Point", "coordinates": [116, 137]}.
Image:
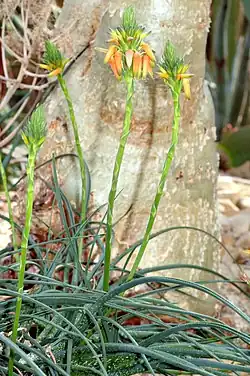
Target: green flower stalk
{"type": "Point", "coordinates": [173, 72]}
{"type": "Point", "coordinates": [130, 58]}
{"type": "Point", "coordinates": [55, 63]}
{"type": "Point", "coordinates": [7, 195]}
{"type": "Point", "coordinates": [118, 162]}
{"type": "Point", "coordinates": [77, 143]}
{"type": "Point", "coordinates": [33, 136]}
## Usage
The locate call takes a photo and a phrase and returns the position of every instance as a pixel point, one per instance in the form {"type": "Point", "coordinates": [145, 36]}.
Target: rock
{"type": "Point", "coordinates": [227, 207]}
{"type": "Point", "coordinates": [244, 241]}
{"type": "Point", "coordinates": [244, 203]}
{"type": "Point", "coordinates": [228, 189]}
{"type": "Point", "coordinates": [243, 171]}
{"type": "Point", "coordinates": [233, 194]}
{"type": "Point", "coordinates": [237, 225]}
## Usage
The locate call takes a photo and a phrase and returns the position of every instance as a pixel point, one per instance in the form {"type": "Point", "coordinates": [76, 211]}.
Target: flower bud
{"type": "Point", "coordinates": [174, 72]}
{"type": "Point", "coordinates": [35, 131]}
{"type": "Point", "coordinates": [129, 57]}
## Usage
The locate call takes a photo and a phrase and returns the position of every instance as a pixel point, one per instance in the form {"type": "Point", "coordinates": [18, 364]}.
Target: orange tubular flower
{"type": "Point", "coordinates": [55, 72]}
{"type": "Point", "coordinates": [137, 64]}
{"type": "Point", "coordinates": [113, 67]}
{"type": "Point", "coordinates": [111, 51]}
{"type": "Point", "coordinates": [118, 61]}
{"type": "Point", "coordinates": [139, 68]}
{"type": "Point", "coordinates": [146, 66]}
{"type": "Point", "coordinates": [148, 51]}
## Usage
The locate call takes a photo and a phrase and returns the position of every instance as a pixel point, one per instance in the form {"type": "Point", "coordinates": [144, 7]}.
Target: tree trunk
{"type": "Point", "coordinates": [190, 198]}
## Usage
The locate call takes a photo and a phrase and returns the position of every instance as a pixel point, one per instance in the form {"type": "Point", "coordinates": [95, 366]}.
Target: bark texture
{"type": "Point", "coordinates": [190, 197]}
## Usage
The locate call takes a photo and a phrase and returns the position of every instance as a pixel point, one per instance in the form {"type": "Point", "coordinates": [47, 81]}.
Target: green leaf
{"type": "Point", "coordinates": [236, 146]}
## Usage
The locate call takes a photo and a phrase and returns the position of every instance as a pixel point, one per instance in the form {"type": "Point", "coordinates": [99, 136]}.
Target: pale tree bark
{"type": "Point", "coordinates": [190, 197]}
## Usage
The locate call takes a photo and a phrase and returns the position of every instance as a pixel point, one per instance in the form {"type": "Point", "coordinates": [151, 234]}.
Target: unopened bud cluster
{"type": "Point", "coordinates": [35, 131]}
{"type": "Point", "coordinates": [174, 72]}
{"type": "Point", "coordinates": [53, 60]}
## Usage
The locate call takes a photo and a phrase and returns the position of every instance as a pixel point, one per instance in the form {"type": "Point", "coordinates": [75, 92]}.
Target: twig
{"type": "Point", "coordinates": [35, 74]}
{"type": "Point", "coordinates": [13, 119]}
{"type": "Point", "coordinates": [11, 91]}
{"type": "Point", "coordinates": [25, 23]}
{"type": "Point", "coordinates": [27, 86]}
{"type": "Point", "coordinates": [17, 113]}
{"type": "Point", "coordinates": [34, 87]}
{"type": "Point", "coordinates": [24, 61]}
{"type": "Point", "coordinates": [13, 25]}
{"type": "Point", "coordinates": [12, 52]}
{"type": "Point", "coordinates": [9, 138]}
{"type": "Point", "coordinates": [3, 52]}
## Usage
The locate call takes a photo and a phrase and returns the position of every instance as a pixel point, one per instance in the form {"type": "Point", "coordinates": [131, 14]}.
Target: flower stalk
{"type": "Point", "coordinates": [55, 63]}
{"type": "Point", "coordinates": [7, 195]}
{"type": "Point", "coordinates": [130, 58]}
{"type": "Point", "coordinates": [77, 143]}
{"type": "Point", "coordinates": [173, 72]}
{"type": "Point", "coordinates": [33, 136]}
{"type": "Point", "coordinates": [115, 177]}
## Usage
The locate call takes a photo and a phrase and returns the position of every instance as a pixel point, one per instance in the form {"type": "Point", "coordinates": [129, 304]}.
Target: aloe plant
{"type": "Point", "coordinates": [33, 137]}
{"type": "Point", "coordinates": [83, 340]}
